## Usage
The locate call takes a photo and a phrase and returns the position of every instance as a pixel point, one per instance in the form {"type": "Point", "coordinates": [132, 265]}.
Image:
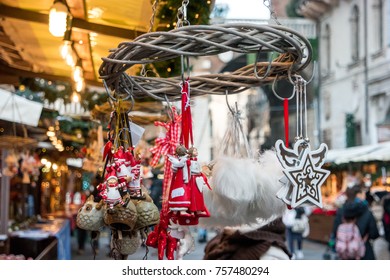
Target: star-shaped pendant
{"type": "Point", "coordinates": [307, 180]}
{"type": "Point", "coordinates": [303, 173]}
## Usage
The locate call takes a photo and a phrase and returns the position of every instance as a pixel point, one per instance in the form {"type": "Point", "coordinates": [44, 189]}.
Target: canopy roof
{"type": "Point", "coordinates": [28, 49]}
{"type": "Point", "coordinates": [367, 153]}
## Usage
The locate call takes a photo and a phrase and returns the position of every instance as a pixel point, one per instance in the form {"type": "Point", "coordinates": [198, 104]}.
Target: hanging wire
{"type": "Point", "coordinates": [170, 112]}
{"type": "Point", "coordinates": [232, 137]}
{"type": "Point", "coordinates": [268, 4]}
{"type": "Point", "coordinates": [183, 21]}
{"type": "Point", "coordinates": [151, 25]}
{"type": "Point", "coordinates": [304, 94]}
{"type": "Point", "coordinates": [301, 107]}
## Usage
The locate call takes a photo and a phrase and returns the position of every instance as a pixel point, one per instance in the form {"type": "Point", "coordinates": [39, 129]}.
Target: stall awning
{"type": "Point", "coordinates": [375, 152]}
{"type": "Point", "coordinates": [14, 108]}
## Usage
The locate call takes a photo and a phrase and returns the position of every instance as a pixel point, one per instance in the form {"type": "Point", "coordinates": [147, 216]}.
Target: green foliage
{"type": "Point", "coordinates": [198, 13]}
{"type": "Point", "coordinates": [40, 90]}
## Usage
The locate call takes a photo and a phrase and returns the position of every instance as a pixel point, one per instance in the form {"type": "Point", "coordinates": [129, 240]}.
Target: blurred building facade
{"type": "Point", "coordinates": [354, 70]}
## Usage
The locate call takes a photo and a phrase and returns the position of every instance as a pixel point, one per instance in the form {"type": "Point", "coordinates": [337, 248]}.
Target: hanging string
{"type": "Point", "coordinates": [301, 110]}
{"type": "Point", "coordinates": [151, 25]}
{"type": "Point", "coordinates": [286, 125]}
{"type": "Point", "coordinates": [300, 107]}
{"type": "Point", "coordinates": [268, 4]}
{"type": "Point", "coordinates": [231, 140]}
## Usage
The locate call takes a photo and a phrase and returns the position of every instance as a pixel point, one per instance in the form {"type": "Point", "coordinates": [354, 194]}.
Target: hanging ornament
{"type": "Point", "coordinates": [90, 215]}
{"type": "Point", "coordinates": [302, 167]}
{"type": "Point", "coordinates": [186, 201]}
{"type": "Point", "coordinates": [109, 190]}
{"type": "Point", "coordinates": [243, 185]}
{"type": "Point", "coordinates": [160, 238]}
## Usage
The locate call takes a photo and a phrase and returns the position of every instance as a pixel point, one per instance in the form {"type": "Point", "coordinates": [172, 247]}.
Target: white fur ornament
{"type": "Point", "coordinates": [244, 190]}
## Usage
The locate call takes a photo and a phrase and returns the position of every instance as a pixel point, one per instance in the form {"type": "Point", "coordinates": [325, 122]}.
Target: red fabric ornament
{"type": "Point", "coordinates": [186, 132]}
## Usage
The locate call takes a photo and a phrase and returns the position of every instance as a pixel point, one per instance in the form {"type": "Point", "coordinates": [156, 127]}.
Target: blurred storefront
{"type": "Point", "coordinates": [369, 165]}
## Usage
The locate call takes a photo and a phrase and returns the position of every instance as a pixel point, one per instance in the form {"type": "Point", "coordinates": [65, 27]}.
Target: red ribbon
{"type": "Point", "coordinates": [167, 144]}
{"type": "Point", "coordinates": [160, 238]}
{"type": "Point", "coordinates": [186, 131]}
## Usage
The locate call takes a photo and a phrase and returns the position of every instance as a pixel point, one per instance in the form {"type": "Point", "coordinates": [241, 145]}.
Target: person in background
{"type": "Point", "coordinates": [386, 218]}
{"type": "Point", "coordinates": [297, 228]}
{"type": "Point", "coordinates": [365, 220]}
{"type": "Point", "coordinates": [262, 241]}
{"type": "Point", "coordinates": [156, 187]}
{"type": "Point", "coordinates": [202, 234]}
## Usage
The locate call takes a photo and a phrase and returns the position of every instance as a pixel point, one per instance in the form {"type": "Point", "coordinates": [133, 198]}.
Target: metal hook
{"type": "Point", "coordinates": [171, 115]}
{"type": "Point", "coordinates": [132, 101]}
{"type": "Point", "coordinates": [277, 95]}
{"type": "Point", "coordinates": [129, 93]}
{"type": "Point", "coordinates": [299, 76]}
{"type": "Point", "coordinates": [228, 105]}
{"type": "Point", "coordinates": [268, 67]}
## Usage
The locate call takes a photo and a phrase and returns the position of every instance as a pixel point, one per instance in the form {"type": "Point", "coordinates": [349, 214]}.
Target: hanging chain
{"type": "Point", "coordinates": [154, 8]}
{"type": "Point", "coordinates": [268, 4]}
{"type": "Point", "coordinates": [151, 25]}
{"type": "Point", "coordinates": [182, 14]}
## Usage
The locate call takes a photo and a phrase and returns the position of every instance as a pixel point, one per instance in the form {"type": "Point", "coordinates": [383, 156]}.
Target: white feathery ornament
{"type": "Point", "coordinates": [244, 190]}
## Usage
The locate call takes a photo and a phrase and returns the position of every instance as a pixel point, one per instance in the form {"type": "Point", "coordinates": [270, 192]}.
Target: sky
{"type": "Point", "coordinates": [245, 9]}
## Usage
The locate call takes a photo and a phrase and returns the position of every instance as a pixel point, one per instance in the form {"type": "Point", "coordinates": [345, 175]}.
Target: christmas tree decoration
{"type": "Point", "coordinates": [301, 166]}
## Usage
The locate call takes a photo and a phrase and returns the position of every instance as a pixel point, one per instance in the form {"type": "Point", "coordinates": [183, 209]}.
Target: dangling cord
{"type": "Point", "coordinates": [301, 108]}
{"type": "Point", "coordinates": [271, 11]}
{"type": "Point", "coordinates": [170, 110]}
{"type": "Point", "coordinates": [94, 239]}
{"type": "Point", "coordinates": [151, 25]}
{"type": "Point", "coordinates": [234, 137]}
{"type": "Point", "coordinates": [296, 88]}
{"type": "Point", "coordinates": [304, 83]}
{"type": "Point", "coordinates": [144, 235]}
{"type": "Point", "coordinates": [286, 125]}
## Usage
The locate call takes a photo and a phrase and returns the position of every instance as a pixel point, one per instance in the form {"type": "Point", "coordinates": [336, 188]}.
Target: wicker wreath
{"type": "Point", "coordinates": [294, 50]}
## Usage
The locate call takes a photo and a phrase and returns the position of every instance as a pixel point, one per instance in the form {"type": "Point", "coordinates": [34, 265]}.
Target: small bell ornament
{"type": "Point", "coordinates": [90, 215]}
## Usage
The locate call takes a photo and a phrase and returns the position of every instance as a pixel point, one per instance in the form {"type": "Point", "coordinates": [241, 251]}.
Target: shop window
{"type": "Point", "coordinates": [353, 131]}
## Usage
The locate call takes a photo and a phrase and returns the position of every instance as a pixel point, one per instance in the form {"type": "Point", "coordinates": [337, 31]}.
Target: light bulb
{"type": "Point", "coordinates": [66, 49]}
{"type": "Point", "coordinates": [58, 19]}
{"type": "Point", "coordinates": [70, 59]}
{"type": "Point", "coordinates": [77, 73]}
{"type": "Point", "coordinates": [80, 85]}
{"type": "Point", "coordinates": [75, 97]}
